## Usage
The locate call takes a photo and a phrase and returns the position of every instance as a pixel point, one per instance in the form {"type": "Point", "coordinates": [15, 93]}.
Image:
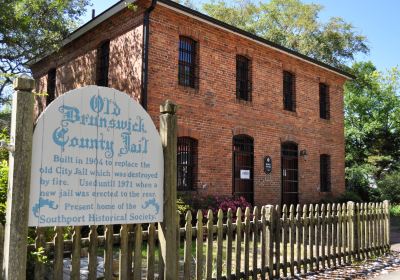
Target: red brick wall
{"type": "Point", "coordinates": [211, 113]}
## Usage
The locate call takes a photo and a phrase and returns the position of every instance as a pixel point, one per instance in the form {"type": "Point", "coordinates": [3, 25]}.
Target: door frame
{"type": "Point", "coordinates": [297, 158]}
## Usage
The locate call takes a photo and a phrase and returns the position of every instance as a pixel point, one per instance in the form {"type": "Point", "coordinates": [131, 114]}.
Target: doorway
{"type": "Point", "coordinates": [290, 173]}
{"type": "Point", "coordinates": [243, 167]}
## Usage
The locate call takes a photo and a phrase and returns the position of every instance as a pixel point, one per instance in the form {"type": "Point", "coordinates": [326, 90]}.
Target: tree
{"type": "Point", "coordinates": [295, 25]}
{"type": "Point", "coordinates": [31, 28]}
{"type": "Point", "coordinates": [372, 123]}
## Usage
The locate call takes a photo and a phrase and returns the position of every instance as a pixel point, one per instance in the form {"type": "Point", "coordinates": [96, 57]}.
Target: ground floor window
{"type": "Point", "coordinates": [186, 158]}
{"type": "Point", "coordinates": [325, 178]}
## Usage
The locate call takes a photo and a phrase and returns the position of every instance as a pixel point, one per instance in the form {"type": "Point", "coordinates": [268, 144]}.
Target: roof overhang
{"type": "Point", "coordinates": [201, 17]}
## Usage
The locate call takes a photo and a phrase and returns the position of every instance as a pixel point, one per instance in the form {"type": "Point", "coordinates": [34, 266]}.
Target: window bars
{"type": "Point", "coordinates": [186, 159]}
{"type": "Point", "coordinates": [243, 80]}
{"type": "Point", "coordinates": [289, 98]}
{"type": "Point", "coordinates": [324, 101]}
{"type": "Point", "coordinates": [187, 62]}
{"type": "Point", "coordinates": [103, 58]}
{"type": "Point", "coordinates": [51, 85]}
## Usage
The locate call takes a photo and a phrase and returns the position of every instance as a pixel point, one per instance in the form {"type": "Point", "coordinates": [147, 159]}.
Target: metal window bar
{"type": "Point", "coordinates": [325, 173]}
{"type": "Point", "coordinates": [103, 58]}
{"type": "Point", "coordinates": [187, 62]}
{"type": "Point", "coordinates": [289, 91]}
{"type": "Point", "coordinates": [243, 83]}
{"type": "Point", "coordinates": [289, 161]}
{"type": "Point", "coordinates": [324, 101]}
{"type": "Point", "coordinates": [243, 158]}
{"type": "Point", "coordinates": [186, 160]}
{"type": "Point", "coordinates": [51, 85]}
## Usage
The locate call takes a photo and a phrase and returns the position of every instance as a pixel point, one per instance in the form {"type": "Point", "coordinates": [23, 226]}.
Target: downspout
{"type": "Point", "coordinates": [145, 54]}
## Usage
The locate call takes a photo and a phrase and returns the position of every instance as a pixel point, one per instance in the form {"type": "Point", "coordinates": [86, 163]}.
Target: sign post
{"type": "Point", "coordinates": [14, 264]}
{"type": "Point", "coordinates": [167, 231]}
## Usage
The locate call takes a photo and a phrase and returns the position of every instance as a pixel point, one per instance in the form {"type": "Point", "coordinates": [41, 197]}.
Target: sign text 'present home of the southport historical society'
{"type": "Point", "coordinates": [97, 159]}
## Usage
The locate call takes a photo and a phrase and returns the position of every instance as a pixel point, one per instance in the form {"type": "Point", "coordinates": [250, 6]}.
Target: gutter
{"type": "Point", "coordinates": [145, 54]}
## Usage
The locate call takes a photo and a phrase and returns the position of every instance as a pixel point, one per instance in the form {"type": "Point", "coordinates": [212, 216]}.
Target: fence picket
{"type": "Point", "coordinates": [220, 240]}
{"type": "Point", "coordinates": [58, 252]}
{"type": "Point", "coordinates": [329, 234]}
{"type": "Point", "coordinates": [124, 265]}
{"type": "Point", "coordinates": [317, 227]}
{"type": "Point", "coordinates": [92, 253]}
{"type": "Point", "coordinates": [323, 236]}
{"type": "Point", "coordinates": [108, 252]}
{"type": "Point", "coordinates": [284, 239]}
{"type": "Point", "coordinates": [339, 233]}
{"type": "Point", "coordinates": [277, 232]}
{"type": "Point", "coordinates": [292, 230]}
{"type": "Point", "coordinates": [40, 243]}
{"type": "Point", "coordinates": [263, 243]}
{"type": "Point", "coordinates": [229, 237]}
{"type": "Point", "coordinates": [151, 251]}
{"type": "Point", "coordinates": [256, 235]}
{"type": "Point", "coordinates": [238, 243]}
{"type": "Point", "coordinates": [246, 233]}
{"type": "Point", "coordinates": [334, 234]}
{"type": "Point", "coordinates": [210, 238]}
{"type": "Point", "coordinates": [298, 238]}
{"type": "Point", "coordinates": [305, 237]}
{"type": "Point", "coordinates": [269, 214]}
{"type": "Point", "coordinates": [311, 235]}
{"type": "Point", "coordinates": [187, 257]}
{"type": "Point", "coordinates": [199, 246]}
{"type": "Point", "coordinates": [137, 255]}
{"type": "Point", "coordinates": [76, 254]}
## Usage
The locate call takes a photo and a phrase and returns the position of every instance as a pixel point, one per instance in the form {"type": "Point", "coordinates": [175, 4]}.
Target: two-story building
{"type": "Point", "coordinates": [255, 119]}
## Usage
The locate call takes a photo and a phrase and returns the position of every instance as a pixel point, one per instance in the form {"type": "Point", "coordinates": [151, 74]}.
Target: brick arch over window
{"type": "Point", "coordinates": [187, 132]}
{"type": "Point", "coordinates": [187, 163]}
{"type": "Point", "coordinates": [239, 130]}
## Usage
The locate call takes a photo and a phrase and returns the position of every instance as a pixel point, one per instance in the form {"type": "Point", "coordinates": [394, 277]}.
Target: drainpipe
{"type": "Point", "coordinates": [145, 54]}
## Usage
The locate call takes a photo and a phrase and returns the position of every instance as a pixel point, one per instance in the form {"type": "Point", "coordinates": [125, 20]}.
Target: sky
{"type": "Point", "coordinates": [378, 20]}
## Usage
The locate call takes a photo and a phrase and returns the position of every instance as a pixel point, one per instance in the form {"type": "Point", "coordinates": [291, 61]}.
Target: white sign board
{"type": "Point", "coordinates": [97, 159]}
{"type": "Point", "coordinates": [244, 174]}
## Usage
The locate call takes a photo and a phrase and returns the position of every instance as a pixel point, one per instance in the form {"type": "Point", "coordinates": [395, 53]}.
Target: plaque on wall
{"type": "Point", "coordinates": [267, 164]}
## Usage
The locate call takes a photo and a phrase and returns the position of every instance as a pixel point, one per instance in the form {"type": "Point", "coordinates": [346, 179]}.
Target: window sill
{"type": "Point", "coordinates": [291, 113]}
{"type": "Point", "coordinates": [243, 102]}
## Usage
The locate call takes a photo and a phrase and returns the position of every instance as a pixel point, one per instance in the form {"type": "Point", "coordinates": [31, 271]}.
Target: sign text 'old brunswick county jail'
{"type": "Point", "coordinates": [97, 159]}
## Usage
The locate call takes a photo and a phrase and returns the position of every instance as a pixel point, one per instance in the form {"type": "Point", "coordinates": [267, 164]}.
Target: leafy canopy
{"type": "Point", "coordinates": [295, 25]}
{"type": "Point", "coordinates": [30, 28]}
{"type": "Point", "coordinates": [372, 121]}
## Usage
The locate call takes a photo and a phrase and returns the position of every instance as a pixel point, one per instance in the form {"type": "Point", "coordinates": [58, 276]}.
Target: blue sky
{"type": "Point", "coordinates": [379, 21]}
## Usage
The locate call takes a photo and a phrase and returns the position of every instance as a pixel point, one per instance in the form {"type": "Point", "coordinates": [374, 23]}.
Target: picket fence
{"type": "Point", "coordinates": [267, 243]}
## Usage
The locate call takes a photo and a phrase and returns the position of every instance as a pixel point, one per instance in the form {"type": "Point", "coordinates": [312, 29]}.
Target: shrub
{"type": "Point", "coordinates": [3, 190]}
{"type": "Point", "coordinates": [395, 210]}
{"type": "Point", "coordinates": [389, 187]}
{"type": "Point", "coordinates": [349, 195]}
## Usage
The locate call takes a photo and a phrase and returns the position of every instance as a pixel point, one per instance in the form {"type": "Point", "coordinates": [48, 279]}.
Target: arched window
{"type": "Point", "coordinates": [187, 161]}
{"type": "Point", "coordinates": [290, 173]}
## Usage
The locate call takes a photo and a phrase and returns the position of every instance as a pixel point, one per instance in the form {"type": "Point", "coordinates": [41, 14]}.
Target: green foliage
{"type": "Point", "coordinates": [389, 187]}
{"type": "Point", "coordinates": [3, 190]}
{"type": "Point", "coordinates": [395, 210]}
{"type": "Point", "coordinates": [372, 124]}
{"type": "Point", "coordinates": [30, 28]}
{"type": "Point", "coordinates": [295, 25]}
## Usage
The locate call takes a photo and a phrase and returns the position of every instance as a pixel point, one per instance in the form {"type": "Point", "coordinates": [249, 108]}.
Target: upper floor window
{"type": "Point", "coordinates": [51, 85]}
{"type": "Point", "coordinates": [103, 58]}
{"type": "Point", "coordinates": [187, 62]}
{"type": "Point", "coordinates": [243, 80]}
{"type": "Point", "coordinates": [324, 101]}
{"type": "Point", "coordinates": [289, 93]}
{"type": "Point", "coordinates": [186, 159]}
{"type": "Point", "coordinates": [325, 176]}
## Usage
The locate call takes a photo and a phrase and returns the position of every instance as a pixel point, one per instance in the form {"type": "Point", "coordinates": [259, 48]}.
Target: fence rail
{"type": "Point", "coordinates": [267, 242]}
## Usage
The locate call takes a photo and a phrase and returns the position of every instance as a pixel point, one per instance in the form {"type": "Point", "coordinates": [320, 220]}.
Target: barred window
{"type": "Point", "coordinates": [243, 80]}
{"type": "Point", "coordinates": [187, 62]}
{"type": "Point", "coordinates": [289, 93]}
{"type": "Point", "coordinates": [325, 176]}
{"type": "Point", "coordinates": [103, 58]}
{"type": "Point", "coordinates": [324, 101]}
{"type": "Point", "coordinates": [51, 85]}
{"type": "Point", "coordinates": [186, 158]}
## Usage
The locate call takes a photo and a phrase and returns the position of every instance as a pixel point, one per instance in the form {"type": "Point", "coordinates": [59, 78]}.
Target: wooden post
{"type": "Point", "coordinates": [167, 229]}
{"type": "Point", "coordinates": [14, 265]}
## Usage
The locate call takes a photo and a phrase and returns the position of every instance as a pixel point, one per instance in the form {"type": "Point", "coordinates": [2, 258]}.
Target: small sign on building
{"type": "Point", "coordinates": [97, 159]}
{"type": "Point", "coordinates": [245, 174]}
{"type": "Point", "coordinates": [267, 164]}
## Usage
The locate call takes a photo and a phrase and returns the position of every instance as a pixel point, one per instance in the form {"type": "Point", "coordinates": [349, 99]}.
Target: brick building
{"type": "Point", "coordinates": [255, 119]}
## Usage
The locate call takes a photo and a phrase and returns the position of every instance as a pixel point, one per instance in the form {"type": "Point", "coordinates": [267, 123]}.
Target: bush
{"type": "Point", "coordinates": [395, 210]}
{"type": "Point", "coordinates": [389, 187]}
{"type": "Point", "coordinates": [3, 190]}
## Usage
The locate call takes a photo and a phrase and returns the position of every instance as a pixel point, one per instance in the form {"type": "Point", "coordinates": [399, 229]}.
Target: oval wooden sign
{"type": "Point", "coordinates": [97, 159]}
